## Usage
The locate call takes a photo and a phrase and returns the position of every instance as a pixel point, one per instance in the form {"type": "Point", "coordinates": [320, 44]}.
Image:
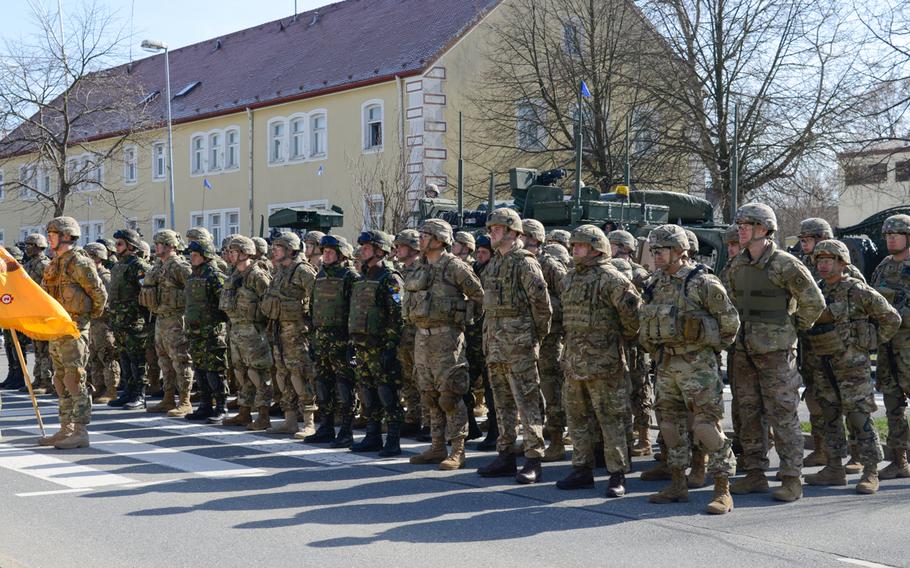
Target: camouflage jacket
{"type": "Point", "coordinates": [127, 277]}
{"type": "Point", "coordinates": [105, 275]}
{"type": "Point", "coordinates": [202, 290]}
{"type": "Point", "coordinates": [375, 316]}
{"type": "Point", "coordinates": [331, 300]}
{"type": "Point", "coordinates": [516, 305]}
{"type": "Point", "coordinates": [407, 328]}
{"type": "Point", "coordinates": [633, 271]}
{"type": "Point", "coordinates": [553, 272]}
{"type": "Point", "coordinates": [163, 288]}
{"type": "Point", "coordinates": [242, 293]}
{"type": "Point", "coordinates": [600, 311]}
{"type": "Point", "coordinates": [72, 279]}
{"type": "Point", "coordinates": [855, 316]}
{"type": "Point", "coordinates": [442, 293]}
{"type": "Point", "coordinates": [288, 296]}
{"type": "Point", "coordinates": [35, 267]}
{"type": "Point", "coordinates": [892, 280]}
{"type": "Point", "coordinates": [809, 261]}
{"type": "Point", "coordinates": [788, 302]}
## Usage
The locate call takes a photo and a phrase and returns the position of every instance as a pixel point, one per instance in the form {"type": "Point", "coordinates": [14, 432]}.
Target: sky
{"type": "Point", "coordinates": [175, 22]}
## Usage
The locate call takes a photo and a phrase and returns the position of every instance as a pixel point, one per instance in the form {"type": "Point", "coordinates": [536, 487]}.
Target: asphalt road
{"type": "Point", "coordinates": [153, 491]}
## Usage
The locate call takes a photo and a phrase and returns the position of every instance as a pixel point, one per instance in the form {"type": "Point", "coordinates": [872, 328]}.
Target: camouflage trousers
{"type": "Point", "coordinates": [690, 382]}
{"type": "Point", "coordinates": [596, 409]}
{"type": "Point", "coordinates": [441, 370]}
{"type": "Point", "coordinates": [893, 376]}
{"type": "Point", "coordinates": [251, 357]}
{"type": "Point", "coordinates": [767, 389]}
{"type": "Point", "coordinates": [208, 348]}
{"type": "Point", "coordinates": [293, 368]}
{"type": "Point", "coordinates": [642, 395]}
{"type": "Point", "coordinates": [102, 352]}
{"type": "Point", "coordinates": [334, 373]}
{"type": "Point", "coordinates": [69, 356]}
{"type": "Point", "coordinates": [516, 394]}
{"type": "Point", "coordinates": [843, 388]}
{"type": "Point", "coordinates": [174, 360]}
{"type": "Point", "coordinates": [379, 383]}
{"type": "Point", "coordinates": [43, 368]}
{"type": "Point", "coordinates": [414, 413]}
{"type": "Point", "coordinates": [132, 346]}
{"type": "Point", "coordinates": [552, 380]}
{"type": "Point", "coordinates": [808, 370]}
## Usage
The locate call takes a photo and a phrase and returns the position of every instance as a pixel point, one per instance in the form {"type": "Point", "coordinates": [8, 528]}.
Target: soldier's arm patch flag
{"type": "Point", "coordinates": [27, 308]}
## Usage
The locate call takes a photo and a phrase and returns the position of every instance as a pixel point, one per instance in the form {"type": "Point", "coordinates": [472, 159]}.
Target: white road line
{"type": "Point", "coordinates": [56, 470]}
{"type": "Point", "coordinates": [858, 562]}
{"type": "Point", "coordinates": [55, 492]}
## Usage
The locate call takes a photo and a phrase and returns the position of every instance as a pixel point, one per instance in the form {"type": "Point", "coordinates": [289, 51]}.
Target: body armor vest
{"type": "Point", "coordinates": [759, 300]}
{"type": "Point", "coordinates": [124, 285]}
{"type": "Point", "coordinates": [433, 299]}
{"type": "Point", "coordinates": [59, 283]}
{"type": "Point", "coordinates": [201, 307]}
{"type": "Point", "coordinates": [330, 306]}
{"type": "Point", "coordinates": [502, 295]}
{"type": "Point", "coordinates": [584, 310]}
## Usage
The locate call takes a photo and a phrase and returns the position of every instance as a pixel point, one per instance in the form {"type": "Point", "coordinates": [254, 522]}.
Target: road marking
{"type": "Point", "coordinates": [56, 492]}
{"type": "Point", "coordinates": [56, 470]}
{"type": "Point", "coordinates": [866, 563]}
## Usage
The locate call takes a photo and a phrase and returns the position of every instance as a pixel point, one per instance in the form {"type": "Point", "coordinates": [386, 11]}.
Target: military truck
{"type": "Point", "coordinates": [865, 241]}
{"type": "Point", "coordinates": [302, 220]}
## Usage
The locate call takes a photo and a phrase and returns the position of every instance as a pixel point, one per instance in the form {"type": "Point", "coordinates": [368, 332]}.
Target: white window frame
{"type": "Point", "coordinates": [365, 125]}
{"type": "Point", "coordinates": [298, 143]}
{"type": "Point", "coordinates": [232, 163]}
{"type": "Point", "coordinates": [314, 132]}
{"type": "Point", "coordinates": [28, 175]}
{"type": "Point", "coordinates": [158, 220]}
{"type": "Point", "coordinates": [277, 144]}
{"type": "Point", "coordinates": [92, 230]}
{"type": "Point", "coordinates": [130, 165]}
{"type": "Point", "coordinates": [570, 47]}
{"type": "Point", "coordinates": [215, 150]}
{"type": "Point", "coordinates": [223, 229]}
{"type": "Point", "coordinates": [650, 144]}
{"type": "Point", "coordinates": [198, 154]}
{"type": "Point", "coordinates": [523, 124]}
{"type": "Point", "coordinates": [29, 229]}
{"type": "Point", "coordinates": [159, 157]}
{"type": "Point", "coordinates": [96, 171]}
{"type": "Point", "coordinates": [369, 218]}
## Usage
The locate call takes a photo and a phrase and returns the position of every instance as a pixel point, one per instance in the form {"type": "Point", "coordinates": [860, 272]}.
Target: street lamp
{"type": "Point", "coordinates": [154, 47]}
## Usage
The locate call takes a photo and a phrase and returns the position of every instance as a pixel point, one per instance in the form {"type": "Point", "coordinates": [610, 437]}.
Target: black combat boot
{"type": "Point", "coordinates": [137, 400]}
{"type": "Point", "coordinates": [616, 486]}
{"type": "Point", "coordinates": [372, 442]}
{"type": "Point", "coordinates": [409, 429]}
{"type": "Point", "coordinates": [392, 445]}
{"type": "Point", "coordinates": [474, 431]}
{"type": "Point", "coordinates": [204, 411]}
{"type": "Point", "coordinates": [503, 466]}
{"type": "Point", "coordinates": [345, 437]}
{"type": "Point", "coordinates": [325, 433]}
{"type": "Point", "coordinates": [489, 443]}
{"type": "Point", "coordinates": [530, 473]}
{"type": "Point", "coordinates": [125, 395]}
{"type": "Point", "coordinates": [219, 412]}
{"type": "Point", "coordinates": [578, 478]}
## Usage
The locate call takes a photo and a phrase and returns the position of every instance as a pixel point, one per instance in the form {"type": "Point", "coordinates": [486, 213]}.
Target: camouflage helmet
{"type": "Point", "coordinates": [288, 240]}
{"type": "Point", "coordinates": [558, 252]}
{"type": "Point", "coordinates": [466, 239]}
{"type": "Point", "coordinates": [225, 242]}
{"type": "Point", "coordinates": [66, 226]}
{"type": "Point", "coordinates": [408, 237]}
{"type": "Point", "coordinates": [831, 247]}
{"type": "Point", "coordinates": [897, 224]}
{"type": "Point", "coordinates": [338, 244]}
{"type": "Point", "coordinates": [483, 241]}
{"type": "Point", "coordinates": [15, 252]}
{"type": "Point", "coordinates": [623, 239]}
{"type": "Point", "coordinates": [560, 236]}
{"type": "Point", "coordinates": [36, 239]}
{"type": "Point", "coordinates": [757, 213]}
{"type": "Point", "coordinates": [591, 235]}
{"type": "Point", "coordinates": [198, 234]}
{"type": "Point", "coordinates": [816, 228]}
{"type": "Point", "coordinates": [313, 237]}
{"type": "Point", "coordinates": [243, 245]}
{"type": "Point", "coordinates": [97, 250]}
{"type": "Point", "coordinates": [262, 246]}
{"type": "Point", "coordinates": [380, 239]}
{"type": "Point", "coordinates": [145, 251]}
{"type": "Point", "coordinates": [437, 228]}
{"type": "Point", "coordinates": [109, 245]}
{"type": "Point", "coordinates": [731, 235]}
{"type": "Point", "coordinates": [203, 247]}
{"type": "Point", "coordinates": [346, 249]}
{"type": "Point", "coordinates": [167, 237]}
{"type": "Point", "coordinates": [534, 229]}
{"type": "Point", "coordinates": [668, 236]}
{"type": "Point", "coordinates": [693, 241]}
{"type": "Point", "coordinates": [506, 217]}
{"type": "Point", "coordinates": [130, 237]}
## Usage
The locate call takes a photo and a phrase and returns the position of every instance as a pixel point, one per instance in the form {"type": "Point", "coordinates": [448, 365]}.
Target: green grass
{"type": "Point", "coordinates": [881, 425]}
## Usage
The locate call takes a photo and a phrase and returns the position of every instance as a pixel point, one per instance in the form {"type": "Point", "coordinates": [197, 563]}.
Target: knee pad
{"type": "Point", "coordinates": [709, 435]}
{"type": "Point", "coordinates": [448, 401]}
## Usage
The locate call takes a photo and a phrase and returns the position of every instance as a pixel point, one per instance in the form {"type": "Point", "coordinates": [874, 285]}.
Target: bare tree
{"type": "Point", "coordinates": [58, 91]}
{"type": "Point", "coordinates": [380, 191]}
{"type": "Point", "coordinates": [813, 191]}
{"type": "Point", "coordinates": [525, 103]}
{"type": "Point", "coordinates": [793, 65]}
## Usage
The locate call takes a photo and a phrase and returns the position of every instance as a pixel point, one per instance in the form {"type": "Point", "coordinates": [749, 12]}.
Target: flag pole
{"type": "Point", "coordinates": [203, 203]}
{"type": "Point", "coordinates": [28, 379]}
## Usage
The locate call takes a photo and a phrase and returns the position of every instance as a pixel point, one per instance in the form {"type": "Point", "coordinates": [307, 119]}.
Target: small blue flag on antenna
{"type": "Point", "coordinates": [320, 171]}
{"type": "Point", "coordinates": [206, 183]}
{"type": "Point", "coordinates": [584, 90]}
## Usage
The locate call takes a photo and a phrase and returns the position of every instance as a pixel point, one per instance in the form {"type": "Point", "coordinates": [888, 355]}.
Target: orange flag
{"type": "Point", "coordinates": [27, 308]}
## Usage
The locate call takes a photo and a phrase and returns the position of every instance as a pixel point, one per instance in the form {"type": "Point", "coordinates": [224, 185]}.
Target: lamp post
{"type": "Point", "coordinates": [155, 47]}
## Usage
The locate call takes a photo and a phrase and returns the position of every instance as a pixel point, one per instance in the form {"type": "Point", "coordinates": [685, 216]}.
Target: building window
{"type": "Point", "coordinates": [91, 231]}
{"type": "Point", "coordinates": [277, 141]}
{"type": "Point", "coordinates": [232, 222]}
{"type": "Point", "coordinates": [645, 132]}
{"type": "Point", "coordinates": [529, 127]}
{"type": "Point", "coordinates": [298, 138]}
{"type": "Point", "coordinates": [232, 150]}
{"type": "Point", "coordinates": [2, 190]}
{"type": "Point", "coordinates": [159, 161]}
{"type": "Point", "coordinates": [2, 239]}
{"type": "Point", "coordinates": [373, 212]}
{"type": "Point", "coordinates": [130, 164]}
{"type": "Point", "coordinates": [901, 172]}
{"type": "Point", "coordinates": [317, 135]}
{"type": "Point", "coordinates": [26, 231]}
{"type": "Point", "coordinates": [372, 126]}
{"type": "Point", "coordinates": [866, 174]}
{"type": "Point", "coordinates": [28, 177]}
{"type": "Point", "coordinates": [198, 156]}
{"type": "Point", "coordinates": [159, 222]}
{"type": "Point", "coordinates": [570, 38]}
{"type": "Point", "coordinates": [220, 222]}
{"type": "Point", "coordinates": [215, 151]}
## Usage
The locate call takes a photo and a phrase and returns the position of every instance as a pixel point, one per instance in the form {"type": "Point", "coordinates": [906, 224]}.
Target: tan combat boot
{"type": "Point", "coordinates": [308, 428]}
{"type": "Point", "coordinates": [78, 438]}
{"type": "Point", "coordinates": [263, 422]}
{"type": "Point", "coordinates": [868, 484]}
{"type": "Point", "coordinates": [166, 404]}
{"type": "Point", "coordinates": [659, 472]}
{"type": "Point", "coordinates": [242, 418]}
{"type": "Point", "coordinates": [556, 451]}
{"type": "Point", "coordinates": [722, 502]}
{"type": "Point", "coordinates": [64, 431]}
{"type": "Point", "coordinates": [109, 394]}
{"type": "Point", "coordinates": [790, 490]}
{"type": "Point", "coordinates": [853, 465]}
{"type": "Point", "coordinates": [289, 426]}
{"type": "Point", "coordinates": [676, 492]}
{"type": "Point", "coordinates": [832, 474]}
{"type": "Point", "coordinates": [184, 406]}
{"type": "Point", "coordinates": [455, 460]}
{"type": "Point", "coordinates": [754, 482]}
{"type": "Point", "coordinates": [696, 477]}
{"type": "Point", "coordinates": [643, 446]}
{"type": "Point", "coordinates": [436, 453]}
{"type": "Point", "coordinates": [818, 456]}
{"type": "Point", "coordinates": [897, 468]}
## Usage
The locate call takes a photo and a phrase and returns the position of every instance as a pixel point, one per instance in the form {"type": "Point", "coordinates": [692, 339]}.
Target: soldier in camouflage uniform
{"type": "Point", "coordinates": [856, 320]}
{"type": "Point", "coordinates": [129, 321]}
{"type": "Point", "coordinates": [622, 246]}
{"type": "Point", "coordinates": [153, 370]}
{"type": "Point", "coordinates": [892, 280]}
{"type": "Point", "coordinates": [200, 234]}
{"type": "Point", "coordinates": [163, 294]}
{"type": "Point", "coordinates": [731, 240]}
{"type": "Point", "coordinates": [463, 246]}
{"type": "Point", "coordinates": [776, 298]}
{"type": "Point", "coordinates": [312, 249]}
{"type": "Point", "coordinates": [477, 364]}
{"type": "Point", "coordinates": [407, 253]}
{"type": "Point", "coordinates": [331, 346]}
{"type": "Point", "coordinates": [517, 316]}
{"type": "Point", "coordinates": [35, 245]}
{"type": "Point", "coordinates": [111, 247]}
{"type": "Point", "coordinates": [287, 305]}
{"type": "Point", "coordinates": [600, 313]}
{"type": "Point", "coordinates": [250, 351]}
{"type": "Point", "coordinates": [559, 237]}
{"type": "Point", "coordinates": [102, 349]}
{"type": "Point", "coordinates": [206, 331]}
{"type": "Point", "coordinates": [687, 318]}
{"type": "Point", "coordinates": [552, 378]}
{"type": "Point", "coordinates": [72, 280]}
{"type": "Point", "coordinates": [440, 300]}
